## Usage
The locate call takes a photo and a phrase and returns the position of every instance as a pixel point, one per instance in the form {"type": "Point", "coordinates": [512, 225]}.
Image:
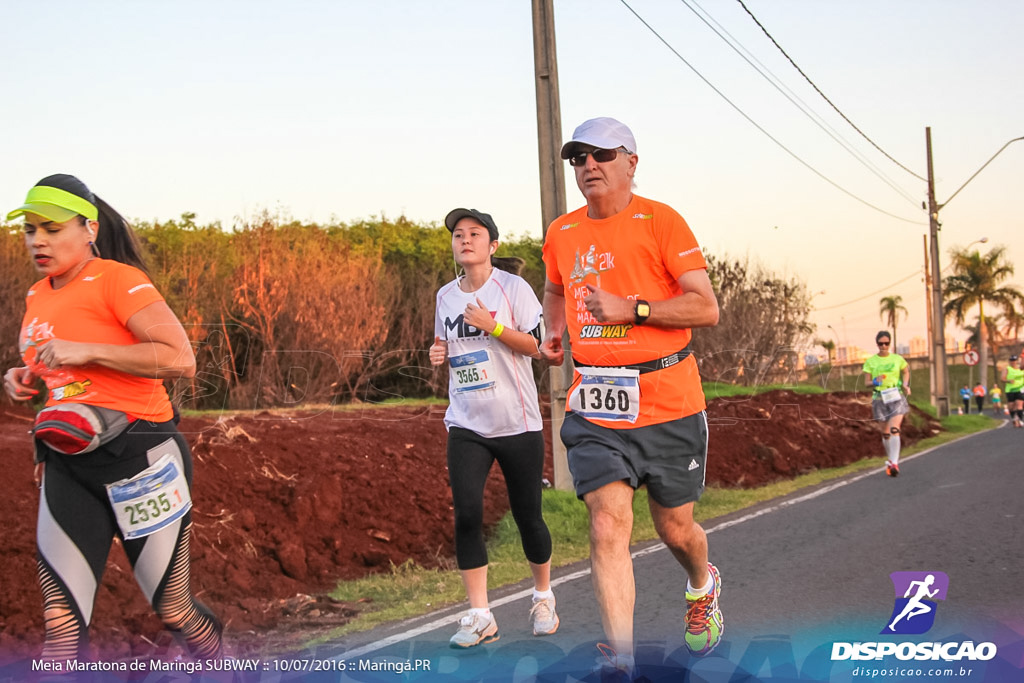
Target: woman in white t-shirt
{"type": "Point", "coordinates": [487, 328]}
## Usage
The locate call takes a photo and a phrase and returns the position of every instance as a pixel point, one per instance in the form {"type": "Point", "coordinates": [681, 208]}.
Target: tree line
{"type": "Point", "coordinates": [284, 313]}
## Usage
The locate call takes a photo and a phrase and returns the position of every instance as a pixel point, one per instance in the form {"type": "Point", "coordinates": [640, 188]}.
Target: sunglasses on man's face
{"type": "Point", "coordinates": [882, 343]}
{"type": "Point", "coordinates": [601, 156]}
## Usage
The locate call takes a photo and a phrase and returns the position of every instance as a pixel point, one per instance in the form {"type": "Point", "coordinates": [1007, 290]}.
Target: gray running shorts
{"type": "Point", "coordinates": [669, 458]}
{"type": "Point", "coordinates": [883, 412]}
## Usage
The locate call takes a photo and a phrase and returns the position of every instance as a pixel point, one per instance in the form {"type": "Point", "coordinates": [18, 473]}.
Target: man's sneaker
{"type": "Point", "coordinates": [612, 667]}
{"type": "Point", "coordinates": [888, 469]}
{"type": "Point", "coordinates": [895, 470]}
{"type": "Point", "coordinates": [704, 624]}
{"type": "Point", "coordinates": [475, 629]}
{"type": "Point", "coordinates": [543, 617]}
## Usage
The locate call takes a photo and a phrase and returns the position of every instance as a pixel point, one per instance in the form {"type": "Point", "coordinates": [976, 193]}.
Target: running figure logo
{"type": "Point", "coordinates": [916, 593]}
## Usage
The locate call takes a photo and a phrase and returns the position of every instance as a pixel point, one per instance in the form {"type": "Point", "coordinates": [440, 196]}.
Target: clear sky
{"type": "Point", "coordinates": [343, 110]}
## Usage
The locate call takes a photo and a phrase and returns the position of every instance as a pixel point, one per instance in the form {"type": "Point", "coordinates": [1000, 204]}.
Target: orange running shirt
{"type": "Point", "coordinates": [639, 253]}
{"type": "Point", "coordinates": [94, 307]}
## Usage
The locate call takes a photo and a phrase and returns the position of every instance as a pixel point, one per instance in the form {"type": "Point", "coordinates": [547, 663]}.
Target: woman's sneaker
{"type": "Point", "coordinates": [475, 629]}
{"type": "Point", "coordinates": [543, 617]}
{"type": "Point", "coordinates": [704, 624]}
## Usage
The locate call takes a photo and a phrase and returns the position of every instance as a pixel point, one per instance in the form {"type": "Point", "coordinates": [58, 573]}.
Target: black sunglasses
{"type": "Point", "coordinates": [882, 343]}
{"type": "Point", "coordinates": [601, 156]}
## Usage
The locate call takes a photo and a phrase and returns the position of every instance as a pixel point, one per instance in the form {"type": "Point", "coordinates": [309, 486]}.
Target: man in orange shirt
{"type": "Point", "coordinates": [628, 280]}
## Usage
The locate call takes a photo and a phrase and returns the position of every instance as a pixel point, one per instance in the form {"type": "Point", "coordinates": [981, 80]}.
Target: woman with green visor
{"type": "Point", "coordinates": [110, 460]}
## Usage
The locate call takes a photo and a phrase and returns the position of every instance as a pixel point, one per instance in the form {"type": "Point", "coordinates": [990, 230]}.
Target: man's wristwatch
{"type": "Point", "coordinates": [641, 312]}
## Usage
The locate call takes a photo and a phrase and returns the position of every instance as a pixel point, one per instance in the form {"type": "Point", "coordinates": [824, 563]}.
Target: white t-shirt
{"type": "Point", "coordinates": [491, 388]}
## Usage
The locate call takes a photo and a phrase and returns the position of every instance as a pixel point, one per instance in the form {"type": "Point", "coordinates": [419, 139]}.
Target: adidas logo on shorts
{"type": "Point", "coordinates": [693, 465]}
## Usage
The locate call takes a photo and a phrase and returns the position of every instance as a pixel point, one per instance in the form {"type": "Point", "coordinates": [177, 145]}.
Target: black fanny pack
{"type": "Point", "coordinates": [77, 428]}
{"type": "Point", "coordinates": [648, 365]}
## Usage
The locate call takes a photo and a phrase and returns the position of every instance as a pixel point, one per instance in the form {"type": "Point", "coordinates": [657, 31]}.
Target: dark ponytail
{"type": "Point", "coordinates": [510, 264]}
{"type": "Point", "coordinates": [116, 239]}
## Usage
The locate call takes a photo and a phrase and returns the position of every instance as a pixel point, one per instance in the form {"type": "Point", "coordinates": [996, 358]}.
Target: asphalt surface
{"type": "Point", "coordinates": [798, 574]}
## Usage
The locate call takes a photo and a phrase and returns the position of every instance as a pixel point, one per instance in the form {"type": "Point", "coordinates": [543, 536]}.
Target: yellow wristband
{"type": "Point", "coordinates": [498, 329]}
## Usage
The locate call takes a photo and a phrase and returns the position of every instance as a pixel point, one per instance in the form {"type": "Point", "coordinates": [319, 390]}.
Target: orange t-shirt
{"type": "Point", "coordinates": [94, 307]}
{"type": "Point", "coordinates": [639, 253]}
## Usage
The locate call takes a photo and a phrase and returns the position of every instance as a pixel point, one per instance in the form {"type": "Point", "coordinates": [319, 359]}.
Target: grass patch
{"type": "Point", "coordinates": [713, 390]}
{"type": "Point", "coordinates": [405, 591]}
{"type": "Point", "coordinates": [958, 425]}
{"type": "Point", "coordinates": [924, 403]}
{"type": "Point", "coordinates": [411, 590]}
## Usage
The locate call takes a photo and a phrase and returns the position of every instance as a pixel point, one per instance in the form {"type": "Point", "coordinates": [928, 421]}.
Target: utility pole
{"type": "Point", "coordinates": [940, 382]}
{"type": "Point", "coordinates": [552, 199]}
{"type": "Point", "coordinates": [928, 308]}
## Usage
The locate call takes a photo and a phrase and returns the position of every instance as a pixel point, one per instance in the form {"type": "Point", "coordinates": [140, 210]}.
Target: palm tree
{"type": "Point", "coordinates": [829, 346]}
{"type": "Point", "coordinates": [977, 280]}
{"type": "Point", "coordinates": [1013, 323]}
{"type": "Point", "coordinates": [889, 309]}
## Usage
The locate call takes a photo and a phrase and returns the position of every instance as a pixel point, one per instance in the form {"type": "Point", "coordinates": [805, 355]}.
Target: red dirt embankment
{"type": "Point", "coordinates": [288, 504]}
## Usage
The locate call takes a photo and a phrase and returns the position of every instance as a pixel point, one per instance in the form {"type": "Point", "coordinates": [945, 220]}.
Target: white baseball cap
{"type": "Point", "coordinates": [603, 133]}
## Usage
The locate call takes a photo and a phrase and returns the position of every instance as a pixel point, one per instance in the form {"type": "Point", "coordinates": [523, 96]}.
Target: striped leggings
{"type": "Point", "coordinates": [74, 533]}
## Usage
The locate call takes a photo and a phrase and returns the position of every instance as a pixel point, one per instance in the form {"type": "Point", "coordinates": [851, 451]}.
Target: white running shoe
{"type": "Point", "coordinates": [475, 629]}
{"type": "Point", "coordinates": [543, 617]}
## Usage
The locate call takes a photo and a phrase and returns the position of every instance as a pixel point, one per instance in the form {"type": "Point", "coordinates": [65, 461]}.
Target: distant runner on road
{"type": "Point", "coordinates": [996, 397]}
{"type": "Point", "coordinates": [888, 377]}
{"type": "Point", "coordinates": [487, 327]}
{"type": "Point", "coordinates": [979, 396]}
{"type": "Point", "coordinates": [1013, 376]}
{"type": "Point", "coordinates": [965, 396]}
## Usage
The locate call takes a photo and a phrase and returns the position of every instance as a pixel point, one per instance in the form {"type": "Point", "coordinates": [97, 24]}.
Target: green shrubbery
{"type": "Point", "coordinates": [283, 313]}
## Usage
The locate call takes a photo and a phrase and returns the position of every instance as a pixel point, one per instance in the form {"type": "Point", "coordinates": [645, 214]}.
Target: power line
{"type": "Point", "coordinates": [916, 273]}
{"type": "Point", "coordinates": [818, 90]}
{"type": "Point", "coordinates": [760, 128]}
{"type": "Point", "coordinates": [788, 93]}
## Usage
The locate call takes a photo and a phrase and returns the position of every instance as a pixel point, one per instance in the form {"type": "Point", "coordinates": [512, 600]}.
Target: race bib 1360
{"type": "Point", "coordinates": [607, 394]}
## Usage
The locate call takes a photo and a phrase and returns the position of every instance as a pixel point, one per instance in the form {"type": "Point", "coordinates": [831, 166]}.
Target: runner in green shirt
{"type": "Point", "coordinates": [1013, 375]}
{"type": "Point", "coordinates": [996, 397]}
{"type": "Point", "coordinates": [888, 377]}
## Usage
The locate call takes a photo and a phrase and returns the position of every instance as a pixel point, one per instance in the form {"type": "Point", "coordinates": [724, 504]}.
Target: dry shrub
{"type": "Point", "coordinates": [18, 276]}
{"type": "Point", "coordinates": [314, 309]}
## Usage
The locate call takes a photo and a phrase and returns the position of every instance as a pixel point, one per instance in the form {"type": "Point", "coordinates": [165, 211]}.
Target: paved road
{"type": "Point", "coordinates": [798, 574]}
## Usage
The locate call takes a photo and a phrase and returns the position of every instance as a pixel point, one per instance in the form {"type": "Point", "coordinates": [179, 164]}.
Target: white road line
{"type": "Point", "coordinates": [438, 623]}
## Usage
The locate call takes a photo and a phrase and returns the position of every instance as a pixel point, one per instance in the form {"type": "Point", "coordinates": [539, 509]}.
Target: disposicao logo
{"type": "Point", "coordinates": [916, 593]}
{"type": "Point", "coordinates": [913, 613]}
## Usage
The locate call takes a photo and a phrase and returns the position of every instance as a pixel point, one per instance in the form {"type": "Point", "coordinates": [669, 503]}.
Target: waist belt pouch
{"type": "Point", "coordinates": [78, 428]}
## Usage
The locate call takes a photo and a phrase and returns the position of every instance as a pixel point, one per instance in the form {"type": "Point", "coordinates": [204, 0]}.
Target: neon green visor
{"type": "Point", "coordinates": [55, 205]}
